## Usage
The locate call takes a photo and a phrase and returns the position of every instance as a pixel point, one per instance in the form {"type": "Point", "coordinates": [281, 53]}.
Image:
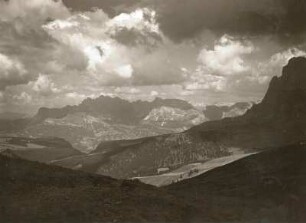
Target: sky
{"type": "Point", "coordinates": [55, 53]}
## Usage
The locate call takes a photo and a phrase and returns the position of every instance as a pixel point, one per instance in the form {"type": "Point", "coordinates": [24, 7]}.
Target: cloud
{"type": "Point", "coordinates": [137, 28]}
{"type": "Point", "coordinates": [125, 71]}
{"type": "Point", "coordinates": [139, 49]}
{"type": "Point", "coordinates": [109, 6]}
{"type": "Point", "coordinates": [256, 81]}
{"type": "Point", "coordinates": [264, 71]}
{"type": "Point", "coordinates": [25, 48]}
{"type": "Point", "coordinates": [127, 90]}
{"type": "Point", "coordinates": [180, 20]}
{"type": "Point", "coordinates": [32, 13]}
{"type": "Point", "coordinates": [91, 37]}
{"type": "Point", "coordinates": [226, 58]}
{"type": "Point", "coordinates": [202, 81]}
{"type": "Point", "coordinates": [140, 19]}
{"type": "Point", "coordinates": [98, 54]}
{"type": "Point", "coordinates": [44, 86]}
{"type": "Point", "coordinates": [12, 72]}
{"type": "Point", "coordinates": [279, 60]}
{"type": "Point", "coordinates": [75, 97]}
{"type": "Point", "coordinates": [154, 93]}
{"type": "Point", "coordinates": [23, 98]}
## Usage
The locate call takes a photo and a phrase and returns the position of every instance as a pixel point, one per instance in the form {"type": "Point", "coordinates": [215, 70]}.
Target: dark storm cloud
{"type": "Point", "coordinates": [184, 19]}
{"type": "Point", "coordinates": [181, 19]}
{"type": "Point", "coordinates": [108, 6]}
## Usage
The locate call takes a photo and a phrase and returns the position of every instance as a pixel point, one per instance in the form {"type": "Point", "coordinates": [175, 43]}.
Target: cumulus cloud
{"type": "Point", "coordinates": [44, 86]}
{"type": "Point", "coordinates": [127, 90]}
{"type": "Point", "coordinates": [138, 27]}
{"type": "Point", "coordinates": [92, 36]}
{"type": "Point", "coordinates": [56, 56]}
{"type": "Point", "coordinates": [32, 13]}
{"type": "Point", "coordinates": [226, 57]}
{"type": "Point", "coordinates": [154, 93]}
{"type": "Point", "coordinates": [23, 98]}
{"type": "Point", "coordinates": [12, 72]}
{"type": "Point", "coordinates": [220, 65]}
{"type": "Point", "coordinates": [247, 18]}
{"type": "Point", "coordinates": [75, 97]}
{"type": "Point", "coordinates": [204, 81]}
{"type": "Point", "coordinates": [263, 71]}
{"type": "Point", "coordinates": [279, 60]}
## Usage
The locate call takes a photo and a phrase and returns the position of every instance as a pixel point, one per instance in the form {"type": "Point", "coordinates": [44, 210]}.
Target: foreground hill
{"type": "Point", "coordinates": [33, 192]}
{"type": "Point", "coordinates": [266, 187]}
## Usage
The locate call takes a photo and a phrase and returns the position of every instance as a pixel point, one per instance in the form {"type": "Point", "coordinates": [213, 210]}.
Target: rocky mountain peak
{"type": "Point", "coordinates": [286, 95]}
{"type": "Point", "coordinates": [293, 76]}
{"type": "Point", "coordinates": [119, 109]}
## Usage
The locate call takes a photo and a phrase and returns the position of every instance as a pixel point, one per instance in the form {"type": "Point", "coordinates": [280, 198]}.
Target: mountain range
{"type": "Point", "coordinates": [278, 120]}
{"type": "Point", "coordinates": [266, 185]}
{"type": "Point", "coordinates": [108, 119]}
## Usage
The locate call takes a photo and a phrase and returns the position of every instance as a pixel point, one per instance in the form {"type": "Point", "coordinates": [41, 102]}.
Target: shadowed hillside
{"type": "Point", "coordinates": [33, 192]}
{"type": "Point", "coordinates": [266, 187]}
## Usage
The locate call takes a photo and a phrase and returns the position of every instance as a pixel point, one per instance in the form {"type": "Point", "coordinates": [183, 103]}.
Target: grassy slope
{"type": "Point", "coordinates": [270, 187]}
{"type": "Point", "coordinates": [33, 192]}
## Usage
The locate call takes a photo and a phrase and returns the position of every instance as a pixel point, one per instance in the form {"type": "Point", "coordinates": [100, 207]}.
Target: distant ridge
{"type": "Point", "coordinates": [117, 108]}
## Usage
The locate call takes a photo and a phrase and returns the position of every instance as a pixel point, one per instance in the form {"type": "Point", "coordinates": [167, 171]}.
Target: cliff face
{"type": "Point", "coordinates": [286, 96]}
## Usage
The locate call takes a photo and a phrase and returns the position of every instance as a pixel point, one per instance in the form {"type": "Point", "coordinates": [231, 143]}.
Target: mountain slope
{"type": "Point", "coordinates": [269, 186]}
{"type": "Point", "coordinates": [215, 112]}
{"type": "Point", "coordinates": [37, 149]}
{"type": "Point", "coordinates": [174, 118]}
{"type": "Point", "coordinates": [142, 157]}
{"type": "Point", "coordinates": [12, 116]}
{"type": "Point", "coordinates": [33, 192]}
{"type": "Point", "coordinates": [278, 120]}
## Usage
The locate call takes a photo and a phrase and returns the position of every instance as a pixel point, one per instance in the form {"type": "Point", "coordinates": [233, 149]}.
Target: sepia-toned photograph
{"type": "Point", "coordinates": [153, 111]}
